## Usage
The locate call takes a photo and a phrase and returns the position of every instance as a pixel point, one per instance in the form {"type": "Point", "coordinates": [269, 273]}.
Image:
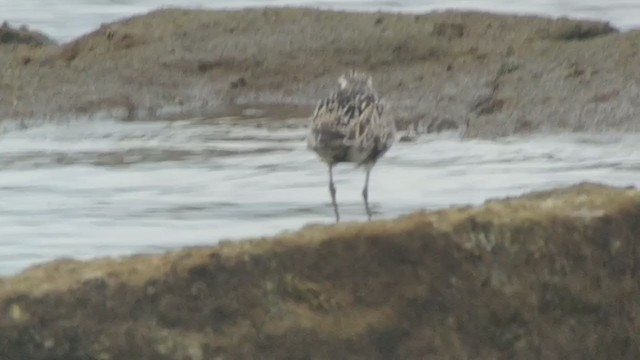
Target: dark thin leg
{"type": "Point", "coordinates": [365, 193]}
{"type": "Point", "coordinates": [332, 190]}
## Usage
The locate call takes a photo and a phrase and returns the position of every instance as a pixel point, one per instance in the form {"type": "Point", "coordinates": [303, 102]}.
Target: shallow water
{"type": "Point", "coordinates": [96, 188]}
{"type": "Point", "coordinates": [66, 19]}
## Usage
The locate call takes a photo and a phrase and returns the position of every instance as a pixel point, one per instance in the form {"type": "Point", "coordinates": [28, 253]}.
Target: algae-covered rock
{"type": "Point", "coordinates": [569, 30]}
{"type": "Point", "coordinates": [10, 35]}
{"type": "Point", "coordinates": [489, 75]}
{"type": "Point", "coordinates": [548, 275]}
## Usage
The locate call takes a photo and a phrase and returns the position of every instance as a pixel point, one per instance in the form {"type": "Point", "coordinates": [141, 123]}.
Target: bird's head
{"type": "Point", "coordinates": [355, 80]}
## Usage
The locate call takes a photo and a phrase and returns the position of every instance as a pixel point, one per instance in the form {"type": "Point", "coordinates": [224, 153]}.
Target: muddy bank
{"type": "Point", "coordinates": [548, 275]}
{"type": "Point", "coordinates": [497, 74]}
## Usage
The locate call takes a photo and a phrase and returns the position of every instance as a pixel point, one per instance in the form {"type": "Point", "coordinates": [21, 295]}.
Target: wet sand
{"type": "Point", "coordinates": [487, 75]}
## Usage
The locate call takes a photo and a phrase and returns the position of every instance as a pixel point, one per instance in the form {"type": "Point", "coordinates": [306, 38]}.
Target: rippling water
{"type": "Point", "coordinates": [96, 188]}
{"type": "Point", "coordinates": [66, 19]}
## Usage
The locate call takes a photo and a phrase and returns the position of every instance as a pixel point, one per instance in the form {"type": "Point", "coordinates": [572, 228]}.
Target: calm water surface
{"type": "Point", "coordinates": [97, 188]}
{"type": "Point", "coordinates": [66, 19]}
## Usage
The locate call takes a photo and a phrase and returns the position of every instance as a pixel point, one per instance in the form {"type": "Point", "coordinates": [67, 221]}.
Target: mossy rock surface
{"type": "Point", "coordinates": [487, 75]}
{"type": "Point", "coordinates": [546, 275]}
{"type": "Point", "coordinates": [22, 36]}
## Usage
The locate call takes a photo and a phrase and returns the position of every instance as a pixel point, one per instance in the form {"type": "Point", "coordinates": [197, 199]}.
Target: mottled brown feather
{"type": "Point", "coordinates": [350, 125]}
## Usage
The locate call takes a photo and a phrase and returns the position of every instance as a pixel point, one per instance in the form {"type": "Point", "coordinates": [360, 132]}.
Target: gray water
{"type": "Point", "coordinates": [66, 19]}
{"type": "Point", "coordinates": [100, 187]}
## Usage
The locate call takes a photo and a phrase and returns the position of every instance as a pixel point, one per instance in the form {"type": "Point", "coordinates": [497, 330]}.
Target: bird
{"type": "Point", "coordinates": [351, 126]}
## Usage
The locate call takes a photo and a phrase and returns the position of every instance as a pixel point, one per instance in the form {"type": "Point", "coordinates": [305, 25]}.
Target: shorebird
{"type": "Point", "coordinates": [351, 126]}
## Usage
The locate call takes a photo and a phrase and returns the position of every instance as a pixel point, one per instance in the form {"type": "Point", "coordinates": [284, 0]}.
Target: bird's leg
{"type": "Point", "coordinates": [332, 190]}
{"type": "Point", "coordinates": [365, 193]}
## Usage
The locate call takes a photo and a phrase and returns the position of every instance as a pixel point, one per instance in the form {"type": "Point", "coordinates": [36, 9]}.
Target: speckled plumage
{"type": "Point", "coordinates": [351, 126]}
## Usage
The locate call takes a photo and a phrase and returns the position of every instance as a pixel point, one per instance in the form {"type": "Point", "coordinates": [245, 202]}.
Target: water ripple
{"type": "Point", "coordinates": [98, 188]}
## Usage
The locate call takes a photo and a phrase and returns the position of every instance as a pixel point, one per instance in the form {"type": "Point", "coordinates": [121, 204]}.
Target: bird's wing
{"type": "Point", "coordinates": [350, 120]}
{"type": "Point", "coordinates": [329, 128]}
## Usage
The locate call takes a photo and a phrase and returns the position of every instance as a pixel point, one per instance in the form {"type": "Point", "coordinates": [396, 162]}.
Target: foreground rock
{"type": "Point", "coordinates": [548, 275]}
{"type": "Point", "coordinates": [490, 75]}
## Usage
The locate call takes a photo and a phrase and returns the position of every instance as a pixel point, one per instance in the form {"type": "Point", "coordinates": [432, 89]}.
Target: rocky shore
{"type": "Point", "coordinates": [488, 75]}
{"type": "Point", "coordinates": [547, 275]}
